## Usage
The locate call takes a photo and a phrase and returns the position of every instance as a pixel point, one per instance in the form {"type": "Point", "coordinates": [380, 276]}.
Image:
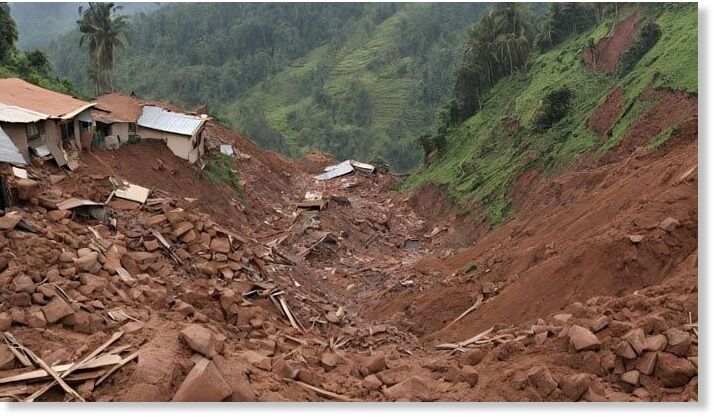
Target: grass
{"type": "Point", "coordinates": [220, 168]}
{"type": "Point", "coordinates": [482, 159]}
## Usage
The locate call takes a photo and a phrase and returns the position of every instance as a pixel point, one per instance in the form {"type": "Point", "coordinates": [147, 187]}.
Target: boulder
{"type": "Point", "coordinates": [199, 339]}
{"type": "Point", "coordinates": [375, 364]}
{"type": "Point", "coordinates": [636, 338]}
{"type": "Point", "coordinates": [220, 245]}
{"type": "Point", "coordinates": [542, 380]}
{"type": "Point", "coordinates": [204, 383]}
{"type": "Point", "coordinates": [413, 388]}
{"type": "Point", "coordinates": [669, 224]}
{"type": "Point", "coordinates": [582, 339]}
{"type": "Point", "coordinates": [23, 283]}
{"type": "Point", "coordinates": [655, 342]}
{"type": "Point", "coordinates": [625, 350]}
{"type": "Point", "coordinates": [575, 385]}
{"type": "Point", "coordinates": [673, 371]}
{"type": "Point", "coordinates": [646, 362]}
{"type": "Point", "coordinates": [56, 310]}
{"type": "Point", "coordinates": [632, 377]}
{"type": "Point", "coordinates": [678, 341]}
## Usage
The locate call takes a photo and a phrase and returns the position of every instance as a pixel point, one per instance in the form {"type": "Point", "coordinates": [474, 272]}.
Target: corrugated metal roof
{"type": "Point", "coordinates": [154, 117]}
{"type": "Point", "coordinates": [8, 151]}
{"type": "Point", "coordinates": [14, 114]}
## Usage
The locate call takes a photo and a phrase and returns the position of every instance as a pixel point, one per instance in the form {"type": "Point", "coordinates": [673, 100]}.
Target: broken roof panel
{"type": "Point", "coordinates": [19, 93]}
{"type": "Point", "coordinates": [8, 151]}
{"type": "Point", "coordinates": [14, 114]}
{"type": "Point", "coordinates": [117, 107]}
{"type": "Point", "coordinates": [154, 117]}
{"type": "Point", "coordinates": [338, 170]}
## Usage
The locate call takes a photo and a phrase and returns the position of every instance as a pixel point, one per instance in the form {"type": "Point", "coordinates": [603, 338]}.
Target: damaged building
{"type": "Point", "coordinates": [44, 122]}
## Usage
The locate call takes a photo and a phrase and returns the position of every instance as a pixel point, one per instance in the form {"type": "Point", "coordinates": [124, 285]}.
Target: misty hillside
{"type": "Point", "coordinates": [356, 80]}
{"type": "Point", "coordinates": [39, 24]}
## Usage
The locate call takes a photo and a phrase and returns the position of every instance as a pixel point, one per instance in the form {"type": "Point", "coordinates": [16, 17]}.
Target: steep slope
{"type": "Point", "coordinates": [359, 80]}
{"type": "Point", "coordinates": [486, 155]}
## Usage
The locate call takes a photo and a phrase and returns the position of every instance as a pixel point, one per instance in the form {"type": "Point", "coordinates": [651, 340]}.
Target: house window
{"type": "Point", "coordinates": [33, 130]}
{"type": "Point", "coordinates": [132, 128]}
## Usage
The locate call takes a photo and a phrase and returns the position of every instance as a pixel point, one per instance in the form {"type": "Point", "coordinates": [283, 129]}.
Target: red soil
{"type": "Point", "coordinates": [605, 116]}
{"type": "Point", "coordinates": [606, 54]}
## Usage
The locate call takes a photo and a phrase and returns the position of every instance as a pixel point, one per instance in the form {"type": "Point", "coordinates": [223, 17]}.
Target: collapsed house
{"type": "Point", "coordinates": [119, 117]}
{"type": "Point", "coordinates": [48, 123]}
{"type": "Point", "coordinates": [115, 117]}
{"type": "Point", "coordinates": [182, 133]}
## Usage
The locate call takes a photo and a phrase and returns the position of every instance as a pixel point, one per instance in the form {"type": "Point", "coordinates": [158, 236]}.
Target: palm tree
{"type": "Point", "coordinates": [103, 30]}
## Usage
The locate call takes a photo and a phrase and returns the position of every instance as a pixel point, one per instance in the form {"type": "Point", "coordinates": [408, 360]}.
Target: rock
{"type": "Point", "coordinates": [23, 284]}
{"type": "Point", "coordinates": [636, 239]}
{"type": "Point", "coordinates": [58, 215]}
{"type": "Point", "coordinates": [625, 350]}
{"type": "Point", "coordinates": [564, 317]}
{"type": "Point", "coordinates": [575, 385]}
{"type": "Point", "coordinates": [413, 388]}
{"type": "Point", "coordinates": [286, 369]}
{"type": "Point", "coordinates": [36, 319]}
{"type": "Point", "coordinates": [329, 360]}
{"type": "Point", "coordinates": [540, 338]}
{"type": "Point", "coordinates": [7, 359]}
{"type": "Point", "coordinates": [636, 338]}
{"type": "Point", "coordinates": [88, 263]}
{"type": "Point", "coordinates": [375, 364]}
{"type": "Point", "coordinates": [591, 362]}
{"type": "Point", "coordinates": [599, 323]}
{"type": "Point", "coordinates": [56, 310]}
{"type": "Point", "coordinates": [183, 308]}
{"type": "Point", "coordinates": [474, 356]}
{"type": "Point", "coordinates": [583, 339]}
{"type": "Point", "coordinates": [632, 377]}
{"type": "Point", "coordinates": [646, 362]}
{"type": "Point", "coordinates": [181, 229]}
{"type": "Point", "coordinates": [204, 383]}
{"type": "Point", "coordinates": [189, 236]}
{"type": "Point", "coordinates": [371, 382]}
{"type": "Point", "coordinates": [642, 394]}
{"type": "Point", "coordinates": [655, 343]}
{"type": "Point", "coordinates": [669, 224]}
{"type": "Point", "coordinates": [542, 380]}
{"type": "Point", "coordinates": [157, 219]}
{"type": "Point", "coordinates": [220, 245]}
{"type": "Point", "coordinates": [5, 321]}
{"type": "Point", "coordinates": [151, 245]}
{"type": "Point", "coordinates": [678, 342]}
{"type": "Point", "coordinates": [257, 360]}
{"type": "Point", "coordinates": [673, 371]}
{"type": "Point", "coordinates": [26, 188]}
{"type": "Point", "coordinates": [200, 339]}
{"type": "Point", "coordinates": [19, 299]}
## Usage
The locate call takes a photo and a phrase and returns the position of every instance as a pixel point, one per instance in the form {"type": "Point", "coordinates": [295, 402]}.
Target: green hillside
{"type": "Point", "coordinates": [481, 159]}
{"type": "Point", "coordinates": [357, 80]}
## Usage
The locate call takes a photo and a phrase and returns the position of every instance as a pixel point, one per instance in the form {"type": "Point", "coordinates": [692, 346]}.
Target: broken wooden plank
{"type": "Point", "coordinates": [323, 392]}
{"type": "Point", "coordinates": [13, 345]}
{"type": "Point", "coordinates": [462, 344]}
{"type": "Point", "coordinates": [88, 359]}
{"type": "Point", "coordinates": [467, 311]}
{"type": "Point", "coordinates": [37, 360]}
{"type": "Point", "coordinates": [103, 361]}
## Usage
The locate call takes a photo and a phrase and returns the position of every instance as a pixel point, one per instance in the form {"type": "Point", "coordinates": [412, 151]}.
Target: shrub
{"type": "Point", "coordinates": [220, 168]}
{"type": "Point", "coordinates": [554, 108]}
{"type": "Point", "coordinates": [646, 38]}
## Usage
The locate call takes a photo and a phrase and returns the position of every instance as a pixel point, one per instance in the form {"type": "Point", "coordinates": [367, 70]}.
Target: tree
{"type": "Point", "coordinates": [8, 32]}
{"type": "Point", "coordinates": [103, 30]}
{"type": "Point", "coordinates": [37, 61]}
